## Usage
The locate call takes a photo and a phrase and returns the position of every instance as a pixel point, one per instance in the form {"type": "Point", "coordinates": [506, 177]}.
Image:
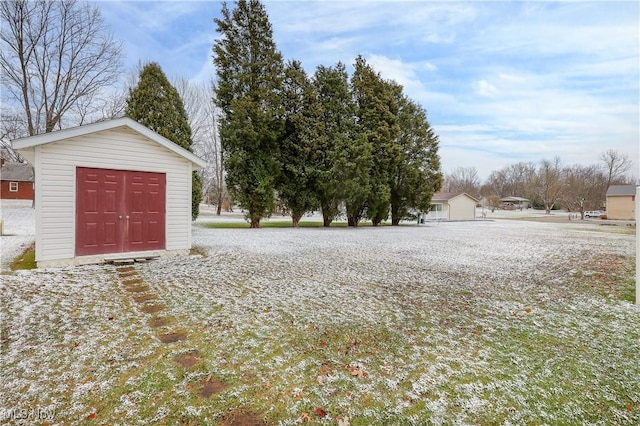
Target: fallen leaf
{"type": "Point", "coordinates": [355, 371]}
{"type": "Point", "coordinates": [320, 412]}
{"type": "Point", "coordinates": [92, 416]}
{"type": "Point", "coordinates": [321, 379]}
{"type": "Point", "coordinates": [528, 310]}
{"type": "Point", "coordinates": [630, 406]}
{"type": "Point", "coordinates": [110, 318]}
{"type": "Point", "coordinates": [305, 418]}
{"type": "Point", "coordinates": [74, 314]}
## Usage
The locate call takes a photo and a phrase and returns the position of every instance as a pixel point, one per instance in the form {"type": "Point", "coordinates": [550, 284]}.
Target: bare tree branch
{"type": "Point", "coordinates": [56, 59]}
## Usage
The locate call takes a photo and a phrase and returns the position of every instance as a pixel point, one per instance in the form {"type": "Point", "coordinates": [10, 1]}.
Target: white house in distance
{"type": "Point", "coordinates": [109, 190]}
{"type": "Point", "coordinates": [451, 206]}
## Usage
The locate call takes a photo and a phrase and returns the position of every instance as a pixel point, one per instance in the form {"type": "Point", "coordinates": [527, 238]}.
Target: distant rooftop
{"type": "Point", "coordinates": [16, 172]}
{"type": "Point", "coordinates": [446, 196]}
{"type": "Point", "coordinates": [621, 190]}
{"type": "Point", "coordinates": [514, 199]}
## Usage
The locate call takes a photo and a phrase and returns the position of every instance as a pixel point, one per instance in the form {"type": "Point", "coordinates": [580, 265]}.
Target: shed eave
{"type": "Point", "coordinates": [28, 144]}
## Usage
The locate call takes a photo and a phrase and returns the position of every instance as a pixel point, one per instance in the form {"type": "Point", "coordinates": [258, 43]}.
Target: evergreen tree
{"type": "Point", "coordinates": [248, 91]}
{"type": "Point", "coordinates": [302, 133]}
{"type": "Point", "coordinates": [343, 157]}
{"type": "Point", "coordinates": [417, 175]}
{"type": "Point", "coordinates": [156, 104]}
{"type": "Point", "coordinates": [376, 114]}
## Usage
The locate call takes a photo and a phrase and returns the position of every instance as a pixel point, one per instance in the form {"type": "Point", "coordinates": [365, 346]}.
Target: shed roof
{"type": "Point", "coordinates": [45, 138]}
{"type": "Point", "coordinates": [16, 172]}
{"type": "Point", "coordinates": [621, 190]}
{"type": "Point", "coordinates": [446, 196]}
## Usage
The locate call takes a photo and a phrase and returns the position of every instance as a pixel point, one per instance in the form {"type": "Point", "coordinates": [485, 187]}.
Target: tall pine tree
{"type": "Point", "coordinates": [344, 155]}
{"type": "Point", "coordinates": [156, 104]}
{"type": "Point", "coordinates": [249, 72]}
{"type": "Point", "coordinates": [376, 114]}
{"type": "Point", "coordinates": [417, 175]}
{"type": "Point", "coordinates": [301, 135]}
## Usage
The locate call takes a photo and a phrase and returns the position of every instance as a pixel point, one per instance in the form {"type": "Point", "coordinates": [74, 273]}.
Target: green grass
{"type": "Point", "coordinates": [27, 260]}
{"type": "Point", "coordinates": [280, 224]}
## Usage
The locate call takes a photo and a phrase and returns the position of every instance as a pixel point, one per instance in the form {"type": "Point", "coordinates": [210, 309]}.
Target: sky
{"type": "Point", "coordinates": [502, 81]}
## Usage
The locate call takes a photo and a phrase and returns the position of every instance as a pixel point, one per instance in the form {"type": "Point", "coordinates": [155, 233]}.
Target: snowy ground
{"type": "Point", "coordinates": [18, 229]}
{"type": "Point", "coordinates": [487, 322]}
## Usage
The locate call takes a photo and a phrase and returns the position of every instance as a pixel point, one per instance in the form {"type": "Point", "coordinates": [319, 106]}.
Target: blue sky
{"type": "Point", "coordinates": [502, 82]}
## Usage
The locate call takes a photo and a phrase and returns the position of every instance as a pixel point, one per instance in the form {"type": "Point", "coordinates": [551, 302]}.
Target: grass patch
{"type": "Point", "coordinates": [282, 224]}
{"type": "Point", "coordinates": [27, 260]}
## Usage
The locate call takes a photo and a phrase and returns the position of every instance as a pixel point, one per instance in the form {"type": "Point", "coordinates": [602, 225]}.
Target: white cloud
{"type": "Point", "coordinates": [486, 89]}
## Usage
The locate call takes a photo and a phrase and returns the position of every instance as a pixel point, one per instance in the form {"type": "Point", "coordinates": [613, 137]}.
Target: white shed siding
{"type": "Point", "coordinates": [462, 208]}
{"type": "Point", "coordinates": [120, 149]}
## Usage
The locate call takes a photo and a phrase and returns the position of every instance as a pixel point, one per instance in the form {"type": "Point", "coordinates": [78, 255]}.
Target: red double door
{"type": "Point", "coordinates": [119, 211]}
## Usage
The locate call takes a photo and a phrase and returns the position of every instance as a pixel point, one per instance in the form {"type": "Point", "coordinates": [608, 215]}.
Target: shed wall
{"type": "Point", "coordinates": [462, 208]}
{"type": "Point", "coordinates": [119, 149]}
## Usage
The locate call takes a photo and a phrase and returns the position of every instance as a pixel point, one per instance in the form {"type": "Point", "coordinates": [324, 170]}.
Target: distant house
{"type": "Point", "coordinates": [513, 203]}
{"type": "Point", "coordinates": [451, 206]}
{"type": "Point", "coordinates": [621, 202]}
{"type": "Point", "coordinates": [16, 181]}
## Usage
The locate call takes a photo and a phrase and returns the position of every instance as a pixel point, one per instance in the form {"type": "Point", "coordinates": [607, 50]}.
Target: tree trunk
{"type": "Point", "coordinates": [295, 218]}
{"type": "Point", "coordinates": [326, 220]}
{"type": "Point", "coordinates": [375, 222]}
{"type": "Point", "coordinates": [219, 201]}
{"type": "Point", "coordinates": [352, 220]}
{"type": "Point", "coordinates": [395, 221]}
{"type": "Point", "coordinates": [255, 223]}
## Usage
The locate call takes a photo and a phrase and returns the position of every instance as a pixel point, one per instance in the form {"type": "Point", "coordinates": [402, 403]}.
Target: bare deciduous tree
{"type": "Point", "coordinates": [584, 188]}
{"type": "Point", "coordinates": [616, 165]}
{"type": "Point", "coordinates": [203, 119]}
{"type": "Point", "coordinates": [548, 183]}
{"type": "Point", "coordinates": [463, 179]}
{"type": "Point", "coordinates": [57, 56]}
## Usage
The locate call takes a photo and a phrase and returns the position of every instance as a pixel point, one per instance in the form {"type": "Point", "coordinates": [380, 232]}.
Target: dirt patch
{"type": "Point", "coordinates": [188, 360]}
{"type": "Point", "coordinates": [138, 289]}
{"type": "Point", "coordinates": [210, 386]}
{"type": "Point", "coordinates": [145, 298]}
{"type": "Point", "coordinates": [159, 322]}
{"type": "Point", "coordinates": [133, 281]}
{"type": "Point", "coordinates": [242, 418]}
{"type": "Point", "coordinates": [172, 337]}
{"type": "Point", "coordinates": [125, 269]}
{"type": "Point", "coordinates": [152, 309]}
{"type": "Point", "coordinates": [128, 274]}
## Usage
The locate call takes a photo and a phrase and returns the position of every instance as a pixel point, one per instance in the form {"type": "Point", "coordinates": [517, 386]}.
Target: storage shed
{"type": "Point", "coordinates": [451, 206]}
{"type": "Point", "coordinates": [109, 190]}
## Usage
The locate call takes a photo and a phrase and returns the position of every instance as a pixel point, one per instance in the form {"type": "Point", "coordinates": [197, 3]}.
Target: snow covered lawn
{"type": "Point", "coordinates": [487, 322]}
